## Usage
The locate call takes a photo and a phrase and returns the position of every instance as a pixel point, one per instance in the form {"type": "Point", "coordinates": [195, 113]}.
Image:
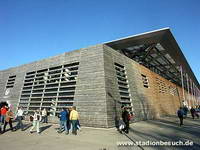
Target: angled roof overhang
{"type": "Point", "coordinates": [158, 51]}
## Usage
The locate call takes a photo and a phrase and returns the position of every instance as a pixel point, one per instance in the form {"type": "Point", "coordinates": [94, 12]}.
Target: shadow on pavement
{"type": "Point", "coordinates": [44, 128]}
{"type": "Point", "coordinates": [167, 130]}
{"type": "Point", "coordinates": [25, 126]}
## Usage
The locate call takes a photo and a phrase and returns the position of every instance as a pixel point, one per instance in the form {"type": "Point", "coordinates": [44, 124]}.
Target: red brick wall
{"type": "Point", "coordinates": [160, 93]}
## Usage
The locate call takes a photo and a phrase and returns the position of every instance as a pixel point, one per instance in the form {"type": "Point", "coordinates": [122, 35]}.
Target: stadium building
{"type": "Point", "coordinates": [147, 73]}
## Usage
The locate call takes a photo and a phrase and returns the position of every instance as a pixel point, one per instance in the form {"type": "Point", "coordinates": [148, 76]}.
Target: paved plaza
{"type": "Point", "coordinates": [165, 130]}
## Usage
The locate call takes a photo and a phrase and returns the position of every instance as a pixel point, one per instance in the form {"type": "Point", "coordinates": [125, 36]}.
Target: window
{"type": "Point", "coordinates": [145, 81]}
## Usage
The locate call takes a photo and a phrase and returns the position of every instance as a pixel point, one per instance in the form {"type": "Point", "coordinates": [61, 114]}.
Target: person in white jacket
{"type": "Point", "coordinates": [19, 118]}
{"type": "Point", "coordinates": [36, 121]}
{"type": "Point", "coordinates": [44, 116]}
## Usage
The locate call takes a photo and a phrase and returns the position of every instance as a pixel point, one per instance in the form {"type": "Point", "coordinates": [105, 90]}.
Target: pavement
{"type": "Point", "coordinates": [162, 134]}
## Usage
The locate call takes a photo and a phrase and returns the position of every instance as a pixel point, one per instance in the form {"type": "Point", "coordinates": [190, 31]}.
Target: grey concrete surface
{"type": "Point", "coordinates": [166, 129]}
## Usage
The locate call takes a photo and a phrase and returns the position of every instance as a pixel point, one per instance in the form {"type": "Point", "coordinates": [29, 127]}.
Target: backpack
{"type": "Point", "coordinates": [180, 113]}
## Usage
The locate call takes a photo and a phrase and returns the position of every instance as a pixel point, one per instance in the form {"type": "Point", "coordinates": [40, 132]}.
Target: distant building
{"type": "Point", "coordinates": [145, 72]}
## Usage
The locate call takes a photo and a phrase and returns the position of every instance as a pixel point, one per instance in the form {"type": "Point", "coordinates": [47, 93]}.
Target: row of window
{"type": "Point", "coordinates": [50, 88]}
{"type": "Point", "coordinates": [161, 85]}
{"type": "Point", "coordinates": [11, 81]}
{"type": "Point", "coordinates": [123, 86]}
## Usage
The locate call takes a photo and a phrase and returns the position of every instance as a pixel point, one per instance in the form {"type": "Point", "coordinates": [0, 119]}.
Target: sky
{"type": "Point", "coordinates": [31, 30]}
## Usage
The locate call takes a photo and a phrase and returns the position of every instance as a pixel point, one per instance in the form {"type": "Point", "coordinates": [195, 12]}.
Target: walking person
{"type": "Point", "coordinates": [74, 120]}
{"type": "Point", "coordinates": [197, 112]}
{"type": "Point", "coordinates": [36, 122]}
{"type": "Point", "coordinates": [44, 116]}
{"type": "Point", "coordinates": [64, 115]}
{"type": "Point", "coordinates": [8, 119]}
{"type": "Point", "coordinates": [4, 109]}
{"type": "Point", "coordinates": [3, 112]}
{"type": "Point", "coordinates": [192, 111]}
{"type": "Point", "coordinates": [68, 120]}
{"type": "Point", "coordinates": [121, 125]}
{"type": "Point", "coordinates": [180, 114]}
{"type": "Point", "coordinates": [185, 110]}
{"type": "Point", "coordinates": [78, 125]}
{"type": "Point", "coordinates": [19, 118]}
{"type": "Point", "coordinates": [125, 117]}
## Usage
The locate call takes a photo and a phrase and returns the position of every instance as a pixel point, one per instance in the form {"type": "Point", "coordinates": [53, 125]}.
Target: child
{"type": "Point", "coordinates": [121, 125]}
{"type": "Point", "coordinates": [78, 125]}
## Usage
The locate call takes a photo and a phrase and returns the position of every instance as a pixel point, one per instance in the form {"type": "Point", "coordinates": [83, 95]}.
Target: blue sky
{"type": "Point", "coordinates": [31, 30]}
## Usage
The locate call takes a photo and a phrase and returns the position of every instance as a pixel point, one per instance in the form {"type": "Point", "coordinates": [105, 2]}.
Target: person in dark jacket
{"type": "Point", "coordinates": [197, 112]}
{"type": "Point", "coordinates": [64, 115]}
{"type": "Point", "coordinates": [185, 109]}
{"type": "Point", "coordinates": [68, 120]}
{"type": "Point", "coordinates": [192, 110]}
{"type": "Point", "coordinates": [180, 114]}
{"type": "Point", "coordinates": [125, 118]}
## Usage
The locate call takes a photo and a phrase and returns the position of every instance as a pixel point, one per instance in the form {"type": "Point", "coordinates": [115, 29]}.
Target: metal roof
{"type": "Point", "coordinates": [158, 51]}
